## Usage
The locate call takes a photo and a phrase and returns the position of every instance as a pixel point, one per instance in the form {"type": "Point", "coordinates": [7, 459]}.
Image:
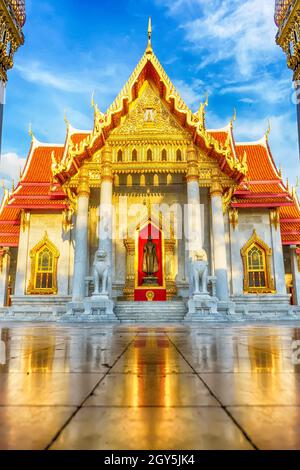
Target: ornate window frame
{"type": "Point", "coordinates": [270, 286]}
{"type": "Point", "coordinates": [32, 289]}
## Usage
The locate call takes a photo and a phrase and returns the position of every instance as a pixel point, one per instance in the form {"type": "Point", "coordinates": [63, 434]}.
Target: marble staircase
{"type": "Point", "coordinates": [156, 312]}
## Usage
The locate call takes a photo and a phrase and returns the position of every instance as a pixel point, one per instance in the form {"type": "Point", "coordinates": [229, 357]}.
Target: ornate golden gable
{"type": "Point", "coordinates": [148, 115]}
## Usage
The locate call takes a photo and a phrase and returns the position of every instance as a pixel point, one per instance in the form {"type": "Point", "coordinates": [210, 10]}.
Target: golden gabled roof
{"type": "Point", "coordinates": [149, 68]}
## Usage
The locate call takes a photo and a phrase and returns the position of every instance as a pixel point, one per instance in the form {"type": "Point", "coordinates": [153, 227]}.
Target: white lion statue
{"type": "Point", "coordinates": [101, 272]}
{"type": "Point", "coordinates": [200, 272]}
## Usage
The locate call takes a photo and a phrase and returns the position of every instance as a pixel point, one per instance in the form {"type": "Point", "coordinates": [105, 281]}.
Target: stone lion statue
{"type": "Point", "coordinates": [200, 272]}
{"type": "Point", "coordinates": [101, 272]}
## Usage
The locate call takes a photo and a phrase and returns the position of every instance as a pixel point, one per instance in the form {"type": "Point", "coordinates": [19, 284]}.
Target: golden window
{"type": "Point", "coordinates": [149, 155]}
{"type": "Point", "coordinates": [44, 269]}
{"type": "Point", "coordinates": [120, 156]}
{"type": "Point", "coordinates": [43, 279]}
{"type": "Point", "coordinates": [178, 156]}
{"type": "Point", "coordinates": [256, 261]}
{"type": "Point", "coordinates": [257, 266]}
{"type": "Point", "coordinates": [164, 155]}
{"type": "Point", "coordinates": [134, 155]}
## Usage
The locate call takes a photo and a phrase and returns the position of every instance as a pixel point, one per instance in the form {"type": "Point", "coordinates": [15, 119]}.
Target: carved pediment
{"type": "Point", "coordinates": [149, 115]}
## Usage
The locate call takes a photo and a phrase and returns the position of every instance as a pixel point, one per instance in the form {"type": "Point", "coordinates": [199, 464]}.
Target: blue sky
{"type": "Point", "coordinates": [223, 47]}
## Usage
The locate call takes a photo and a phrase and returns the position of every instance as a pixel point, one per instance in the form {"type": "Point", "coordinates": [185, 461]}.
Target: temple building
{"type": "Point", "coordinates": [150, 215]}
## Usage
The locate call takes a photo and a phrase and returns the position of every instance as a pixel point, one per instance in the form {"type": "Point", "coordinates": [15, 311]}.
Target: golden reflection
{"type": "Point", "coordinates": [167, 392]}
{"type": "Point", "coordinates": [265, 354]}
{"type": "Point", "coordinates": [134, 388]}
{"type": "Point", "coordinates": [38, 358]}
{"type": "Point", "coordinates": [151, 378]}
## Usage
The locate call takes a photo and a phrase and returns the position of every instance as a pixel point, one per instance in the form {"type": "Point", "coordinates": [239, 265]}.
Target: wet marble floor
{"type": "Point", "coordinates": [215, 386]}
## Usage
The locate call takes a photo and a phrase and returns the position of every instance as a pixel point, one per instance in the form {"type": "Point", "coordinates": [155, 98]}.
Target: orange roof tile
{"type": "Point", "coordinates": [261, 165]}
{"type": "Point", "coordinates": [77, 138]}
{"type": "Point", "coordinates": [39, 162]}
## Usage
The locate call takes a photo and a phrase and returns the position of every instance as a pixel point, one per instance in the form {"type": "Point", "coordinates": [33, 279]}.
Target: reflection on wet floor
{"type": "Point", "coordinates": [147, 387]}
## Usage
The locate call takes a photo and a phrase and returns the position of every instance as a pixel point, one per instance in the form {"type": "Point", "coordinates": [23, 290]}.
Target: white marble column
{"type": "Point", "coordinates": [106, 208]}
{"type": "Point", "coordinates": [278, 261]}
{"type": "Point", "coordinates": [4, 274]}
{"type": "Point", "coordinates": [23, 262]}
{"type": "Point", "coordinates": [194, 228]}
{"type": "Point", "coordinates": [295, 260]}
{"type": "Point", "coordinates": [81, 238]}
{"type": "Point", "coordinates": [219, 243]}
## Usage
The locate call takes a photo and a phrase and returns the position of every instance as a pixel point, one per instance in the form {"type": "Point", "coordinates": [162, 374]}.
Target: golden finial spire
{"type": "Point", "coordinates": [97, 113]}
{"type": "Point", "coordinates": [233, 119]}
{"type": "Point", "coordinates": [201, 112]}
{"type": "Point", "coordinates": [149, 46]}
{"type": "Point", "coordinates": [30, 132]}
{"type": "Point", "coordinates": [268, 131]}
{"type": "Point", "coordinates": [66, 119]}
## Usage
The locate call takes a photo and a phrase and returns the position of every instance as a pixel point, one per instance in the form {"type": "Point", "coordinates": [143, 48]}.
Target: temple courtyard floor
{"type": "Point", "coordinates": [206, 386]}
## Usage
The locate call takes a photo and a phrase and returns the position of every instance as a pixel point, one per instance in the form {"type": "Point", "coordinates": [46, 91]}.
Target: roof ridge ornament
{"type": "Point", "coordinates": [201, 112]}
{"type": "Point", "coordinates": [233, 119]}
{"type": "Point", "coordinates": [66, 120]}
{"type": "Point", "coordinates": [34, 140]}
{"type": "Point", "coordinates": [97, 113]}
{"type": "Point", "coordinates": [268, 131]}
{"type": "Point", "coordinates": [149, 49]}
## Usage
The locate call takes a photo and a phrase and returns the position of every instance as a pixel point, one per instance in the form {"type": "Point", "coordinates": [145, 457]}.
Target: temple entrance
{"type": "Point", "coordinates": [150, 282]}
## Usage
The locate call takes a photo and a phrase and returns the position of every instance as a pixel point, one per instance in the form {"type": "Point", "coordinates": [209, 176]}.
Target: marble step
{"type": "Point", "coordinates": [162, 312]}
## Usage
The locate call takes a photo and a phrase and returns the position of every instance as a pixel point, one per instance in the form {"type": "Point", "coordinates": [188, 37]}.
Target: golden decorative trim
{"type": "Point", "coordinates": [11, 38]}
{"type": "Point", "coordinates": [3, 252]}
{"type": "Point", "coordinates": [216, 189]}
{"type": "Point", "coordinates": [130, 269]}
{"type": "Point", "coordinates": [25, 220]}
{"type": "Point", "coordinates": [226, 200]}
{"type": "Point", "coordinates": [288, 38]}
{"type": "Point", "coordinates": [127, 104]}
{"type": "Point", "coordinates": [67, 219]}
{"type": "Point", "coordinates": [275, 218]}
{"type": "Point", "coordinates": [267, 251]}
{"type": "Point", "coordinates": [150, 295]}
{"type": "Point", "coordinates": [84, 183]}
{"type": "Point", "coordinates": [72, 198]}
{"type": "Point", "coordinates": [32, 289]}
{"type": "Point", "coordinates": [234, 217]}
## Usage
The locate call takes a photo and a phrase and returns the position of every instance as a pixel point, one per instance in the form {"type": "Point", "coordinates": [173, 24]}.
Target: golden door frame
{"type": "Point", "coordinates": [136, 256]}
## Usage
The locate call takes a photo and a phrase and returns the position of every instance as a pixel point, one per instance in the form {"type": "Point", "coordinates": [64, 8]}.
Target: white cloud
{"type": "Point", "coordinates": [247, 100]}
{"type": "Point", "coordinates": [10, 167]}
{"type": "Point", "coordinates": [242, 31]}
{"type": "Point", "coordinates": [268, 89]}
{"type": "Point", "coordinates": [192, 93]}
{"type": "Point", "coordinates": [283, 140]}
{"type": "Point", "coordinates": [105, 80]}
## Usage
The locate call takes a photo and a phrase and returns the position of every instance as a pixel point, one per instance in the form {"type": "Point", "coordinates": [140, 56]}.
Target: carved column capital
{"type": "Point", "coordinates": [275, 217]}
{"type": "Point", "coordinates": [216, 189]}
{"type": "Point", "coordinates": [192, 164]}
{"type": "Point", "coordinates": [84, 183]}
{"type": "Point", "coordinates": [106, 164]}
